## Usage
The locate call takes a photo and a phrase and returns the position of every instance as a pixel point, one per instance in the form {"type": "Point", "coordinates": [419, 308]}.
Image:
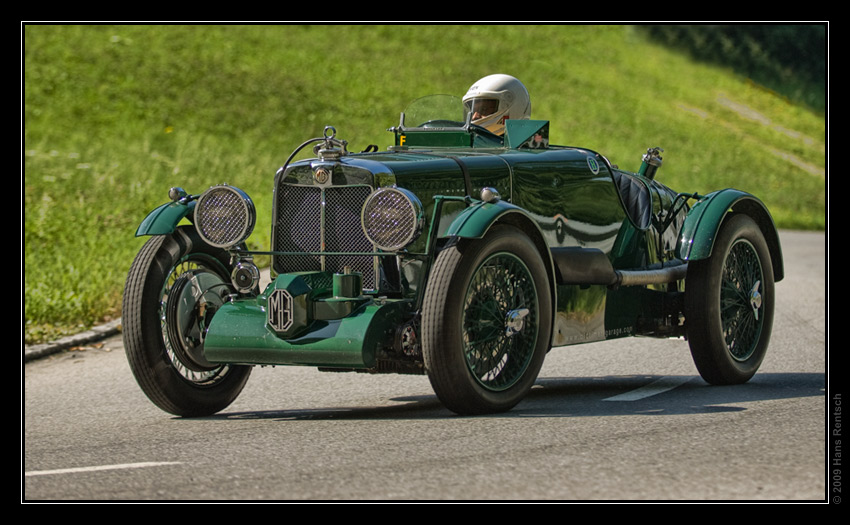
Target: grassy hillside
{"type": "Point", "coordinates": [115, 115]}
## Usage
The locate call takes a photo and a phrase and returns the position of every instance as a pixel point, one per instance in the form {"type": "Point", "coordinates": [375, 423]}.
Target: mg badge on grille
{"type": "Point", "coordinates": [279, 310]}
{"type": "Point", "coordinates": [322, 175]}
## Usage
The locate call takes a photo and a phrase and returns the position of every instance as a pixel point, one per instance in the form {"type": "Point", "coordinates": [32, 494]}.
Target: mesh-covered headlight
{"type": "Point", "coordinates": [392, 218]}
{"type": "Point", "coordinates": [224, 216]}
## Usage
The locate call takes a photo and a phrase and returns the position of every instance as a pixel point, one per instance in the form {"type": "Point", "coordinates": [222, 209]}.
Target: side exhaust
{"type": "Point", "coordinates": [586, 266]}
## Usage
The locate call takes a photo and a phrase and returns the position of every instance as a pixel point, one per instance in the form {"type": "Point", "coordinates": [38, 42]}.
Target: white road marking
{"type": "Point", "coordinates": [656, 387]}
{"type": "Point", "coordinates": [100, 467]}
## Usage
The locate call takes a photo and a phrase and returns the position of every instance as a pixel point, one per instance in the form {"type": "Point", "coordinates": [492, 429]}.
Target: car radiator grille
{"type": "Point", "coordinates": [316, 219]}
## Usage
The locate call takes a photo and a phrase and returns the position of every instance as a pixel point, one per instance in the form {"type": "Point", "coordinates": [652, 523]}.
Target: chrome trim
{"type": "Point", "coordinates": [279, 310]}
{"type": "Point", "coordinates": [245, 276]}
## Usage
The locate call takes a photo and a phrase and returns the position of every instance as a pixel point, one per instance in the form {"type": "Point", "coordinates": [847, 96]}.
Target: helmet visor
{"type": "Point", "coordinates": [481, 107]}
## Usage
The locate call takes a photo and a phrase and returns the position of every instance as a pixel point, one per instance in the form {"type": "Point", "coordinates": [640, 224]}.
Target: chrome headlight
{"type": "Point", "coordinates": [392, 218]}
{"type": "Point", "coordinates": [224, 216]}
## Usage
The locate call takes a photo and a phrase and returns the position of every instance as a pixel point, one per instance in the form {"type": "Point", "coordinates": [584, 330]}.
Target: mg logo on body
{"type": "Point", "coordinates": [279, 310]}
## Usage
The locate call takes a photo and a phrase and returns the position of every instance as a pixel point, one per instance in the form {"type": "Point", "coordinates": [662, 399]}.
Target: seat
{"type": "Point", "coordinates": [635, 197]}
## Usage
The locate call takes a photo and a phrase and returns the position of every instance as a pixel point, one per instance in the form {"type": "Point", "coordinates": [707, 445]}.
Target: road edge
{"type": "Point", "coordinates": [97, 333]}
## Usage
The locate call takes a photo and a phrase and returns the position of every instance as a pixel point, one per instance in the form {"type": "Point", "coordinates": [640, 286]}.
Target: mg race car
{"type": "Point", "coordinates": [457, 252]}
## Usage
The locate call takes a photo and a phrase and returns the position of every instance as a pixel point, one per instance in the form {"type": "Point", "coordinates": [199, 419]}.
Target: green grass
{"type": "Point", "coordinates": [115, 115]}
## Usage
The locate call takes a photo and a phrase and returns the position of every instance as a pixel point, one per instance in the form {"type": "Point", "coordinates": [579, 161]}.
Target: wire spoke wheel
{"type": "Point", "coordinates": [741, 300]}
{"type": "Point", "coordinates": [729, 300]}
{"type": "Point", "coordinates": [498, 353]}
{"type": "Point", "coordinates": [173, 289]}
{"type": "Point", "coordinates": [486, 322]}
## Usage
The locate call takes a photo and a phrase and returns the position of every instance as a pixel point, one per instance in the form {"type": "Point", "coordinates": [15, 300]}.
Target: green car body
{"type": "Point", "coordinates": [357, 241]}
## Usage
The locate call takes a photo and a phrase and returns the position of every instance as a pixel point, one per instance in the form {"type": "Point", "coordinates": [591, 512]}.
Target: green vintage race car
{"type": "Point", "coordinates": [457, 253]}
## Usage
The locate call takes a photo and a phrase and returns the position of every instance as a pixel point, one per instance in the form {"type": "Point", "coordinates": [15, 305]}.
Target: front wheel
{"type": "Point", "coordinates": [729, 300]}
{"type": "Point", "coordinates": [174, 287]}
{"type": "Point", "coordinates": [486, 322]}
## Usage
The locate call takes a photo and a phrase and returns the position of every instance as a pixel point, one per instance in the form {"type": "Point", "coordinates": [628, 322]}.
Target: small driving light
{"type": "Point", "coordinates": [245, 276]}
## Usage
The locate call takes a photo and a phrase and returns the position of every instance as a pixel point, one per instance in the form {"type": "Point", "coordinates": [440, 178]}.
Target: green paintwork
{"type": "Point", "coordinates": [165, 218]}
{"type": "Point", "coordinates": [559, 196]}
{"type": "Point", "coordinates": [239, 334]}
{"type": "Point", "coordinates": [696, 240]}
{"type": "Point", "coordinates": [347, 286]}
{"type": "Point", "coordinates": [445, 139]}
{"type": "Point", "coordinates": [475, 220]}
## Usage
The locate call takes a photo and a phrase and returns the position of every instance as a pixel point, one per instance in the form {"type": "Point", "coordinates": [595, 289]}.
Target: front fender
{"type": "Point", "coordinates": [164, 219]}
{"type": "Point", "coordinates": [475, 220]}
{"type": "Point", "coordinates": [702, 225]}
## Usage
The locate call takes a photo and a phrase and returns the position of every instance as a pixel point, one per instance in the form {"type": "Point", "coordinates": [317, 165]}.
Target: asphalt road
{"type": "Point", "coordinates": [620, 420]}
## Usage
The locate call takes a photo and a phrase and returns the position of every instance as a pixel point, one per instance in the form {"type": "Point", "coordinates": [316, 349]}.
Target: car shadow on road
{"type": "Point", "coordinates": [583, 397]}
{"type": "Point", "coordinates": [608, 396]}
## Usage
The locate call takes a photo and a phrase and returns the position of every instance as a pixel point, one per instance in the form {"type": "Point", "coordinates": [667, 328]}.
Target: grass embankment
{"type": "Point", "coordinates": [115, 115]}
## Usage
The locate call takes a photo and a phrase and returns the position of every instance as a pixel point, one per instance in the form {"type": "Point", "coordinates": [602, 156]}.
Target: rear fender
{"type": "Point", "coordinates": [702, 225]}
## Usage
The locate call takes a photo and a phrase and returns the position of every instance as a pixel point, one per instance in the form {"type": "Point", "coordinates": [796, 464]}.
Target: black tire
{"type": "Point", "coordinates": [166, 356]}
{"type": "Point", "coordinates": [486, 322]}
{"type": "Point", "coordinates": [729, 301]}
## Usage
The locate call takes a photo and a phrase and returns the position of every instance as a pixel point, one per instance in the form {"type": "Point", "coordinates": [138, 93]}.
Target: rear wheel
{"type": "Point", "coordinates": [174, 287]}
{"type": "Point", "coordinates": [486, 322]}
{"type": "Point", "coordinates": [729, 302]}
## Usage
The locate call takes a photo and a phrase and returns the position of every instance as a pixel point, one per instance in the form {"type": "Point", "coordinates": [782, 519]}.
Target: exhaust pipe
{"type": "Point", "coordinates": [588, 266]}
{"type": "Point", "coordinates": [667, 274]}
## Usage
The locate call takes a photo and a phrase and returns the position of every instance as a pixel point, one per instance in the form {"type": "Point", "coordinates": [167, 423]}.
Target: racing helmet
{"type": "Point", "coordinates": [495, 98]}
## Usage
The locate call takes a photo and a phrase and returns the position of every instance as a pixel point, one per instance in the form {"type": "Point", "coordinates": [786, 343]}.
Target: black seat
{"type": "Point", "coordinates": [635, 197]}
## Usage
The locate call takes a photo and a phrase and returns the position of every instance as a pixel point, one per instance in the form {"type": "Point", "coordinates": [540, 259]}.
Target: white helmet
{"type": "Point", "coordinates": [495, 98]}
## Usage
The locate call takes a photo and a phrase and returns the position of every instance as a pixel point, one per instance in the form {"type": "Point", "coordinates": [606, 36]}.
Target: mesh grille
{"type": "Point", "coordinates": [344, 232]}
{"type": "Point", "coordinates": [299, 218]}
{"type": "Point", "coordinates": [299, 228]}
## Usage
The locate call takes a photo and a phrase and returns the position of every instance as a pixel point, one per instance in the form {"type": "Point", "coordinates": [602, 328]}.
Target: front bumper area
{"type": "Point", "coordinates": [329, 324]}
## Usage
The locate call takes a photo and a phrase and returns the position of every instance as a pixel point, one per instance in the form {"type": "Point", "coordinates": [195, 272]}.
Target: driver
{"type": "Point", "coordinates": [494, 99]}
